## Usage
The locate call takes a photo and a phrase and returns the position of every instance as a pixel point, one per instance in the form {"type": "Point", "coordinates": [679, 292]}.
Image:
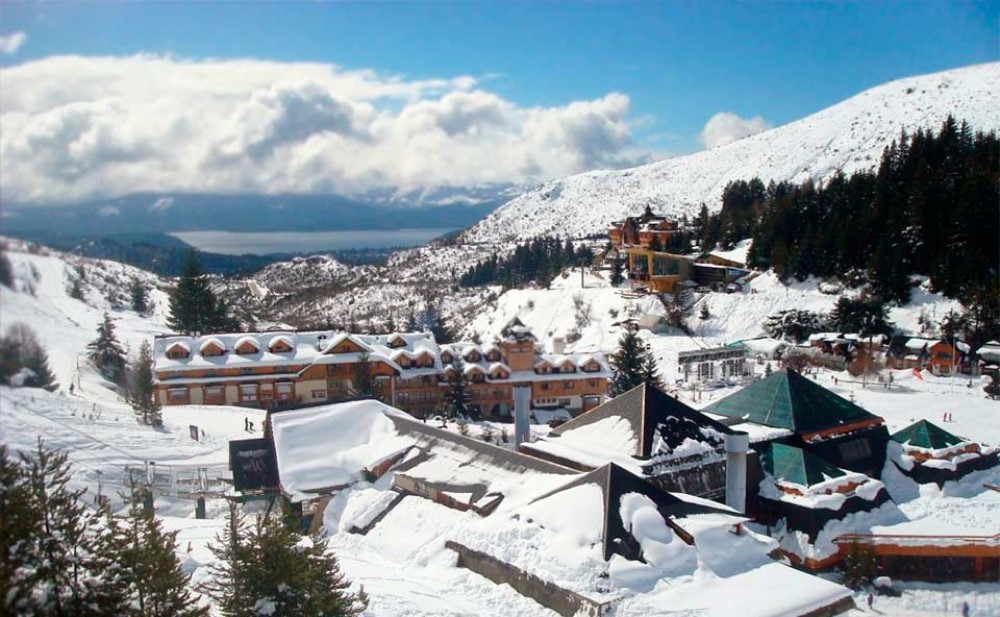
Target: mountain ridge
{"type": "Point", "coordinates": [848, 136]}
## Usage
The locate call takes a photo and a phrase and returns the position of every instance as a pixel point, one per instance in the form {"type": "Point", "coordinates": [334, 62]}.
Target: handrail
{"type": "Point", "coordinates": [874, 538]}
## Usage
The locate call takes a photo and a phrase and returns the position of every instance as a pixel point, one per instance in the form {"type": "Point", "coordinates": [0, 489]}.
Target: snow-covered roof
{"type": "Point", "coordinates": [330, 446]}
{"type": "Point", "coordinates": [244, 340]}
{"type": "Point", "coordinates": [314, 347]}
{"type": "Point", "coordinates": [211, 341]}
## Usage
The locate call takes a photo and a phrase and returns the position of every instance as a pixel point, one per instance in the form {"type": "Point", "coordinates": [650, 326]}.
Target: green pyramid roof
{"type": "Point", "coordinates": [923, 434]}
{"type": "Point", "coordinates": [786, 399]}
{"type": "Point", "coordinates": [793, 464]}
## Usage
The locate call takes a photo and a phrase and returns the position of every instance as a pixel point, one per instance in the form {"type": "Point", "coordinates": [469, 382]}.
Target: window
{"type": "Point", "coordinates": [177, 395]}
{"type": "Point", "coordinates": [854, 450]}
{"type": "Point", "coordinates": [248, 392]}
{"type": "Point", "coordinates": [284, 390]}
{"type": "Point", "coordinates": [318, 394]}
{"type": "Point", "coordinates": [567, 385]}
{"type": "Point", "coordinates": [546, 386]}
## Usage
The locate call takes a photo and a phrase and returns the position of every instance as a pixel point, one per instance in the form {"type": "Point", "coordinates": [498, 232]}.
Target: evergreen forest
{"type": "Point", "coordinates": [538, 260]}
{"type": "Point", "coordinates": [930, 208]}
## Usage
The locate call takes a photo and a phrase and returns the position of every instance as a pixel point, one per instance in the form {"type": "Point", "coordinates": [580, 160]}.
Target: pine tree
{"type": "Point", "coordinates": [457, 396]}
{"type": "Point", "coordinates": [628, 364]}
{"type": "Point", "coordinates": [194, 309]}
{"type": "Point", "coordinates": [142, 396]}
{"type": "Point", "coordinates": [860, 566]}
{"type": "Point", "coordinates": [265, 568]}
{"type": "Point", "coordinates": [650, 372]}
{"type": "Point", "coordinates": [17, 524]}
{"type": "Point", "coordinates": [617, 272]}
{"type": "Point", "coordinates": [363, 381]}
{"type": "Point", "coordinates": [6, 271]}
{"type": "Point", "coordinates": [140, 296]}
{"type": "Point", "coordinates": [150, 573]}
{"type": "Point", "coordinates": [232, 583]}
{"type": "Point", "coordinates": [56, 569]}
{"type": "Point", "coordinates": [20, 348]}
{"type": "Point", "coordinates": [106, 352]}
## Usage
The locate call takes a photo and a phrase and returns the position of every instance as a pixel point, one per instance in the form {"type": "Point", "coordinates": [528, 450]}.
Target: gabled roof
{"type": "Point", "coordinates": [786, 399]}
{"type": "Point", "coordinates": [797, 466]}
{"type": "Point", "coordinates": [650, 413]}
{"type": "Point", "coordinates": [924, 434]}
{"type": "Point", "coordinates": [614, 482]}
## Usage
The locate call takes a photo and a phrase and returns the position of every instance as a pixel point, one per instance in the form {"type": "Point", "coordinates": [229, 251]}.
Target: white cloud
{"type": "Point", "coordinates": [109, 210]}
{"type": "Point", "coordinates": [10, 43]}
{"type": "Point", "coordinates": [725, 127]}
{"type": "Point", "coordinates": [92, 127]}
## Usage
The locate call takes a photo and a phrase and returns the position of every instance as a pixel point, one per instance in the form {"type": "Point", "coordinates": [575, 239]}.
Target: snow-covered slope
{"type": "Point", "coordinates": [64, 325]}
{"type": "Point", "coordinates": [849, 136]}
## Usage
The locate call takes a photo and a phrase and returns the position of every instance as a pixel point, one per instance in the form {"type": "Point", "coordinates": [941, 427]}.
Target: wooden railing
{"type": "Point", "coordinates": [917, 540]}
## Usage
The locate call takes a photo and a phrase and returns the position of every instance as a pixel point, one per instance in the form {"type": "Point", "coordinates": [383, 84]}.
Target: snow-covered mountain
{"type": "Point", "coordinates": [849, 136]}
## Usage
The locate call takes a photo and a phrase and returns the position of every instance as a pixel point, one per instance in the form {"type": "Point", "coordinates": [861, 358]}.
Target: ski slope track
{"type": "Point", "coordinates": [849, 136]}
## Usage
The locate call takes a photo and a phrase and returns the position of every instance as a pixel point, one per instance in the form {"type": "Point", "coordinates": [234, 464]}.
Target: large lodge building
{"type": "Point", "coordinates": [642, 243]}
{"type": "Point", "coordinates": [290, 369]}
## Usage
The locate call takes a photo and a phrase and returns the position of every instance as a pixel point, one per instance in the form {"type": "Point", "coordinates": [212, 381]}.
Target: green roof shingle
{"type": "Point", "coordinates": [786, 399]}
{"type": "Point", "coordinates": [923, 434]}
{"type": "Point", "coordinates": [795, 465]}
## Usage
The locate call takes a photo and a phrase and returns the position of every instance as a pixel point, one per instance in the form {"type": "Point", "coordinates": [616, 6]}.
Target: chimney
{"type": "Point", "coordinates": [522, 412]}
{"type": "Point", "coordinates": [737, 445]}
{"type": "Point", "coordinates": [559, 345]}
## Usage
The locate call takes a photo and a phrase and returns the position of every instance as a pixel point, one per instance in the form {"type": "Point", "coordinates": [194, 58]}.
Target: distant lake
{"type": "Point", "coordinates": [265, 243]}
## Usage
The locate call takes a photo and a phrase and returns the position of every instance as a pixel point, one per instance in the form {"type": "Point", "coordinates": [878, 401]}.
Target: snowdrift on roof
{"type": "Point", "coordinates": [331, 446]}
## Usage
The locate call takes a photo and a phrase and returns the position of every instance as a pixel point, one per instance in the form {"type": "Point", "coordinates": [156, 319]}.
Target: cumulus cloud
{"type": "Point", "coordinates": [724, 128]}
{"type": "Point", "coordinates": [10, 43]}
{"type": "Point", "coordinates": [92, 127]}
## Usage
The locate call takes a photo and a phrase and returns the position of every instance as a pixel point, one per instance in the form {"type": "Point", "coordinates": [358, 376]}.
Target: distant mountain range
{"type": "Point", "coordinates": [849, 136]}
{"type": "Point", "coordinates": [162, 213]}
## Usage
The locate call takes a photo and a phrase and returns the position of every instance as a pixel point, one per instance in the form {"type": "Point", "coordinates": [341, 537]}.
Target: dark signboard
{"type": "Point", "coordinates": [253, 464]}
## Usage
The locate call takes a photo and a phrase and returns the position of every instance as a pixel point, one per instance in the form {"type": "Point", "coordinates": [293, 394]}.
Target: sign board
{"type": "Point", "coordinates": [253, 464]}
{"type": "Point", "coordinates": [193, 429]}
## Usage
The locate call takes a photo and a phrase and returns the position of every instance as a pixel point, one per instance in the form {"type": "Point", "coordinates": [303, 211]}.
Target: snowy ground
{"type": "Point", "coordinates": [402, 563]}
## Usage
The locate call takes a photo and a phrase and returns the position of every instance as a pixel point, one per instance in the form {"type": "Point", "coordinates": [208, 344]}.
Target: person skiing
{"type": "Point", "coordinates": [871, 600]}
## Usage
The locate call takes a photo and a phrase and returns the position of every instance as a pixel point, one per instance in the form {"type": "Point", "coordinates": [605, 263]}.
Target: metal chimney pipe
{"type": "Point", "coordinates": [737, 446]}
{"type": "Point", "coordinates": [522, 412]}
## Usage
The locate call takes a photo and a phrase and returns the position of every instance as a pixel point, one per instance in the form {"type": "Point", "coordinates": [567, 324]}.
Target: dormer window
{"type": "Point", "coordinates": [212, 348]}
{"type": "Point", "coordinates": [397, 341]}
{"type": "Point", "coordinates": [178, 351]}
{"type": "Point", "coordinates": [494, 355]}
{"type": "Point", "coordinates": [425, 360]}
{"type": "Point", "coordinates": [591, 367]}
{"type": "Point", "coordinates": [473, 356]}
{"type": "Point", "coordinates": [280, 345]}
{"type": "Point", "coordinates": [246, 347]}
{"type": "Point", "coordinates": [446, 357]}
{"type": "Point", "coordinates": [567, 367]}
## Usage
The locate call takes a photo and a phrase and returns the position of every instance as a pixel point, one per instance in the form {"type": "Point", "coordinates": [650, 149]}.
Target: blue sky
{"type": "Point", "coordinates": [678, 63]}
